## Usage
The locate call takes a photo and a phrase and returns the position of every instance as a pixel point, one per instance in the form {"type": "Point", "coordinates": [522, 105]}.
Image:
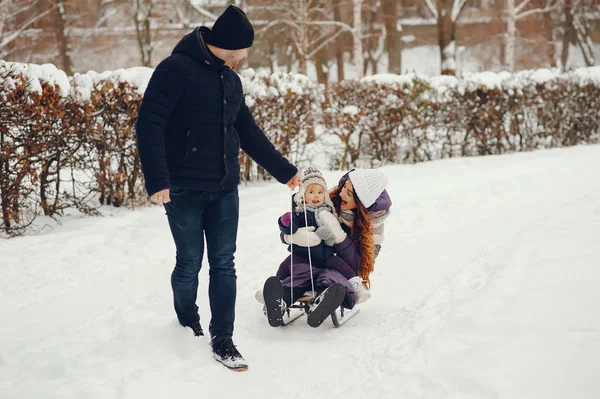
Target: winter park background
{"type": "Point", "coordinates": [487, 283]}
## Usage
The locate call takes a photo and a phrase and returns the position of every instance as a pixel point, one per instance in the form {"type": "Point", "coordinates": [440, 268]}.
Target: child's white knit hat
{"type": "Point", "coordinates": [313, 175]}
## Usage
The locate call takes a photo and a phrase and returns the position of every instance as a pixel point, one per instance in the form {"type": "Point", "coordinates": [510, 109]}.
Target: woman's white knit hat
{"type": "Point", "coordinates": [368, 184]}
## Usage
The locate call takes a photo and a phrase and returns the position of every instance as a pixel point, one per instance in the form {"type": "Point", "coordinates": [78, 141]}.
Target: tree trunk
{"type": "Point", "coordinates": [549, 35]}
{"type": "Point", "coordinates": [3, 16]}
{"type": "Point", "coordinates": [358, 46]}
{"type": "Point", "coordinates": [302, 65]}
{"type": "Point", "coordinates": [447, 40]}
{"type": "Point", "coordinates": [511, 33]}
{"type": "Point", "coordinates": [303, 42]}
{"type": "Point", "coordinates": [274, 58]}
{"type": "Point", "coordinates": [582, 33]}
{"type": "Point", "coordinates": [143, 9]}
{"type": "Point", "coordinates": [568, 36]}
{"type": "Point", "coordinates": [374, 66]}
{"type": "Point", "coordinates": [322, 70]}
{"type": "Point", "coordinates": [339, 52]}
{"type": "Point", "coordinates": [339, 60]}
{"type": "Point", "coordinates": [290, 58]}
{"type": "Point", "coordinates": [366, 62]}
{"type": "Point", "coordinates": [393, 44]}
{"type": "Point", "coordinates": [61, 35]}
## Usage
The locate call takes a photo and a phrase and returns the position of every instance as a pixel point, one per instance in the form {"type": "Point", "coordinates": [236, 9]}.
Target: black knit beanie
{"type": "Point", "coordinates": [232, 30]}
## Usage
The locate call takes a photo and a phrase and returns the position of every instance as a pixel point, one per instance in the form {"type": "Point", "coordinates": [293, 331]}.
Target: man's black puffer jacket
{"type": "Point", "coordinates": [193, 121]}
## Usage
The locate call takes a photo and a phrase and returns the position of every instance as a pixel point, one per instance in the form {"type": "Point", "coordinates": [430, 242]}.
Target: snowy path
{"type": "Point", "coordinates": [485, 289]}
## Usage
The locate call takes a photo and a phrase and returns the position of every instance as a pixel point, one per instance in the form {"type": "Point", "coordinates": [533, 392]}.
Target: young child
{"type": "Point", "coordinates": [307, 205]}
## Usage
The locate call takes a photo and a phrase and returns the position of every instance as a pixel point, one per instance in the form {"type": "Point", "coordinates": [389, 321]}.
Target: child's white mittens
{"type": "Point", "coordinates": [303, 237]}
{"type": "Point", "coordinates": [323, 231]}
{"type": "Point", "coordinates": [320, 211]}
{"type": "Point", "coordinates": [328, 220]}
{"type": "Point", "coordinates": [326, 235]}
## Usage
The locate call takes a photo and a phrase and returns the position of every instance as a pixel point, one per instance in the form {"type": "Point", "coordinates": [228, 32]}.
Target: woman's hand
{"type": "Point", "coordinates": [331, 222]}
{"type": "Point", "coordinates": [303, 237]}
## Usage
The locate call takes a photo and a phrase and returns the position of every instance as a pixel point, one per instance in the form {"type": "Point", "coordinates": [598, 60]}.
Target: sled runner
{"type": "Point", "coordinates": [318, 309]}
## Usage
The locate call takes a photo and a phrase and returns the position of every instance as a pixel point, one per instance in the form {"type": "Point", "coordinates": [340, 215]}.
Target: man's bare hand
{"type": "Point", "coordinates": [295, 181]}
{"type": "Point", "coordinates": [161, 197]}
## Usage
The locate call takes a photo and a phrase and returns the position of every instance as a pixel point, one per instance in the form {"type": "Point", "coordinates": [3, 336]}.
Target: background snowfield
{"type": "Point", "coordinates": [486, 287]}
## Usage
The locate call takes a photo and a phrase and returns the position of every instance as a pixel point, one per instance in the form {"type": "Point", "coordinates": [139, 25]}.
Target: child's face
{"type": "Point", "coordinates": [314, 195]}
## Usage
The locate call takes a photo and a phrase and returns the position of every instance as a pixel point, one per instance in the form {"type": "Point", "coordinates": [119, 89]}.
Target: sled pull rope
{"type": "Point", "coordinates": [312, 281]}
{"type": "Point", "coordinates": [291, 255]}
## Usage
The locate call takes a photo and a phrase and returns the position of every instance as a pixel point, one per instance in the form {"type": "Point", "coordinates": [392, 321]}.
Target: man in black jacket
{"type": "Point", "coordinates": [192, 122]}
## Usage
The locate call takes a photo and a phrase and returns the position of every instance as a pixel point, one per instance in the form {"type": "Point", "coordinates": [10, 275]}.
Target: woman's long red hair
{"type": "Point", "coordinates": [361, 235]}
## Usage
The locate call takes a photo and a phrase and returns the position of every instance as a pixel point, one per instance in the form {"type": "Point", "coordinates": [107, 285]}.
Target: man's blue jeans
{"type": "Point", "coordinates": [192, 215]}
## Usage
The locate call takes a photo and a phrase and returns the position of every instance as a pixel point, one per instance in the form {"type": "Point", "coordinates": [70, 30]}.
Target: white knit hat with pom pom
{"type": "Point", "coordinates": [313, 175]}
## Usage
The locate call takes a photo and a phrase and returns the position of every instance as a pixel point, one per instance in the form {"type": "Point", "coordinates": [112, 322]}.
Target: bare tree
{"type": "Point", "coordinates": [60, 26]}
{"type": "Point", "coordinates": [142, 13]}
{"type": "Point", "coordinates": [517, 10]}
{"type": "Point", "coordinates": [149, 16]}
{"type": "Point", "coordinates": [200, 7]}
{"type": "Point", "coordinates": [103, 16]}
{"type": "Point", "coordinates": [312, 26]}
{"type": "Point", "coordinates": [375, 37]}
{"type": "Point", "coordinates": [447, 12]}
{"type": "Point", "coordinates": [393, 44]}
{"type": "Point", "coordinates": [357, 33]}
{"type": "Point", "coordinates": [339, 51]}
{"type": "Point", "coordinates": [17, 17]}
{"type": "Point", "coordinates": [3, 14]}
{"type": "Point", "coordinates": [577, 30]}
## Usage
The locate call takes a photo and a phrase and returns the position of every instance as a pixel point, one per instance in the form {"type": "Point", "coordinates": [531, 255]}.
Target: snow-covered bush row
{"type": "Point", "coordinates": [65, 142]}
{"type": "Point", "coordinates": [395, 119]}
{"type": "Point", "coordinates": [70, 141]}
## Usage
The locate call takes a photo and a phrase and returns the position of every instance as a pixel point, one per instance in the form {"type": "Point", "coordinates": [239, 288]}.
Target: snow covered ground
{"type": "Point", "coordinates": [487, 287]}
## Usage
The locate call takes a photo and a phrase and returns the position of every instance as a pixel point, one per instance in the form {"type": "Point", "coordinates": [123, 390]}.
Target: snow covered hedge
{"type": "Point", "coordinates": [66, 141]}
{"type": "Point", "coordinates": [70, 141]}
{"type": "Point", "coordinates": [286, 107]}
{"type": "Point", "coordinates": [407, 119]}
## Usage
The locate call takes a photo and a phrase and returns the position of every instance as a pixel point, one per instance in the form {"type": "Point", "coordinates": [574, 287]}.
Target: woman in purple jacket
{"type": "Point", "coordinates": [362, 204]}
